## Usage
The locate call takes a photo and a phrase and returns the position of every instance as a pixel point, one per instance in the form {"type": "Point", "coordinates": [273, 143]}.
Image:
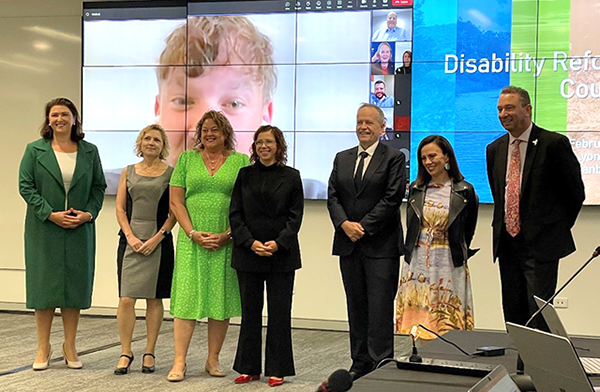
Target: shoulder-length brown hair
{"type": "Point", "coordinates": [223, 125]}
{"type": "Point", "coordinates": [76, 132]}
{"type": "Point", "coordinates": [423, 177]}
{"type": "Point", "coordinates": [280, 154]}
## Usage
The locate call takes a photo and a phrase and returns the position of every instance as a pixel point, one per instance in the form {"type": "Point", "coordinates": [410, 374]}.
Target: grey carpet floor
{"type": "Point", "coordinates": [317, 354]}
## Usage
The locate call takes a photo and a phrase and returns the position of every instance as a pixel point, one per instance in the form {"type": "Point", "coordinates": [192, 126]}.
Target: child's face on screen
{"type": "Point", "coordinates": [229, 89]}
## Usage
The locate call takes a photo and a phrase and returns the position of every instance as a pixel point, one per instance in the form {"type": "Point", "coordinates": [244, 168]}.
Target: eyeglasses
{"type": "Point", "coordinates": [268, 143]}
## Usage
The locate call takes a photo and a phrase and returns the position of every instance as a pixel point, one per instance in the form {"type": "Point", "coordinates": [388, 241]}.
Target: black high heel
{"type": "Point", "coordinates": [148, 369]}
{"type": "Point", "coordinates": [124, 370]}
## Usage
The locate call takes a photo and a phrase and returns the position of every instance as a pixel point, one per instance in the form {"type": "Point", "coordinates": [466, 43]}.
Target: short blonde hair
{"type": "Point", "coordinates": [164, 153]}
{"type": "Point", "coordinates": [207, 37]}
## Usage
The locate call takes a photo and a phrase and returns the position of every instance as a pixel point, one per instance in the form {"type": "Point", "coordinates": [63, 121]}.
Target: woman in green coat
{"type": "Point", "coordinates": [61, 180]}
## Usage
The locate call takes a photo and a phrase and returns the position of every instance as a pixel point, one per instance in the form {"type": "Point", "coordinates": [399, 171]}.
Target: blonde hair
{"type": "Point", "coordinates": [164, 152]}
{"type": "Point", "coordinates": [208, 36]}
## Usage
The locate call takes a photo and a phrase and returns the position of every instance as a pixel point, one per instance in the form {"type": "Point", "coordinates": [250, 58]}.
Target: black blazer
{"type": "Point", "coordinates": [376, 205]}
{"type": "Point", "coordinates": [462, 220]}
{"type": "Point", "coordinates": [276, 215]}
{"type": "Point", "coordinates": [552, 193]}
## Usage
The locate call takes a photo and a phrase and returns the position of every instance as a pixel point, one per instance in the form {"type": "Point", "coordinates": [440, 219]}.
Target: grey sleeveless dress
{"type": "Point", "coordinates": [147, 209]}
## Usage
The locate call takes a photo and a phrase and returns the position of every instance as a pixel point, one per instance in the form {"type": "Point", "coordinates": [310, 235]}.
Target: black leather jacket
{"type": "Point", "coordinates": [462, 220]}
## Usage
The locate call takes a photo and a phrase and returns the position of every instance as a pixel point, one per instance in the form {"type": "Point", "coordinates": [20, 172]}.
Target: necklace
{"type": "Point", "coordinates": [151, 170]}
{"type": "Point", "coordinates": [213, 163]}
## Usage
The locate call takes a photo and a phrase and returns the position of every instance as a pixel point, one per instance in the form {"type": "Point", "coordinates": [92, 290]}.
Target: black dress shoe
{"type": "Point", "coordinates": [353, 374]}
{"type": "Point", "coordinates": [148, 369]}
{"type": "Point", "coordinates": [124, 370]}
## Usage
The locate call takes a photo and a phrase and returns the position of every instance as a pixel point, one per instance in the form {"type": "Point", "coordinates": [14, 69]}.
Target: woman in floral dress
{"type": "Point", "coordinates": [435, 286]}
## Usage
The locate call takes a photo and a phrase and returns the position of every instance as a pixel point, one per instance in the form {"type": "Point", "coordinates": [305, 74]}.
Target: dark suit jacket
{"type": "Point", "coordinates": [376, 205]}
{"type": "Point", "coordinates": [462, 219]}
{"type": "Point", "coordinates": [552, 193]}
{"type": "Point", "coordinates": [276, 216]}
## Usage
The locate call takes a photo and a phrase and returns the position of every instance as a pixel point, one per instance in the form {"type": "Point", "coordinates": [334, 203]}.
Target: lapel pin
{"type": "Point", "coordinates": [535, 142]}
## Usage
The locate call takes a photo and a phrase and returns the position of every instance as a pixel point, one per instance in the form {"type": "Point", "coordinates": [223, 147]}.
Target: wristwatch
{"type": "Point", "coordinates": [164, 232]}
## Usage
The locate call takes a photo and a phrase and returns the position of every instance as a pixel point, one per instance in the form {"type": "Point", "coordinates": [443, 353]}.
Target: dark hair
{"type": "Point", "coordinates": [223, 125]}
{"type": "Point", "coordinates": [409, 55]}
{"type": "Point", "coordinates": [280, 154]}
{"type": "Point", "coordinates": [76, 132]}
{"type": "Point", "coordinates": [423, 177]}
{"type": "Point", "coordinates": [380, 82]}
{"type": "Point", "coordinates": [521, 92]}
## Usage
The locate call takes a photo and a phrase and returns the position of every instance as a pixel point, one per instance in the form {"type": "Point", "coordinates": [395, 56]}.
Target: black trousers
{"type": "Point", "coordinates": [371, 285]}
{"type": "Point", "coordinates": [279, 358]}
{"type": "Point", "coordinates": [523, 277]}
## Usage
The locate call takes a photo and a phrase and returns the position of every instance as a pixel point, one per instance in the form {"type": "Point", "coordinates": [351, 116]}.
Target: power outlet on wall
{"type": "Point", "coordinates": [561, 303]}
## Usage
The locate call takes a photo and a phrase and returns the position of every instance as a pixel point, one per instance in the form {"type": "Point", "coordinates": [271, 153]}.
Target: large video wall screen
{"type": "Point", "coordinates": [433, 67]}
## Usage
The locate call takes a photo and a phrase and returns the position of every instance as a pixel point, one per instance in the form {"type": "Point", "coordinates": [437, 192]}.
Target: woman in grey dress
{"type": "Point", "coordinates": [145, 254]}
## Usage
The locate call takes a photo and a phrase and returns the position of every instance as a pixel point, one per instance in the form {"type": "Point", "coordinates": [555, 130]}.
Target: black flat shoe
{"type": "Point", "coordinates": [148, 369]}
{"type": "Point", "coordinates": [124, 370]}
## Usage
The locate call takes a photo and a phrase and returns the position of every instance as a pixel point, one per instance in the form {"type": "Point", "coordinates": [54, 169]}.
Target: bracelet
{"type": "Point", "coordinates": [191, 234]}
{"type": "Point", "coordinates": [229, 236]}
{"type": "Point", "coordinates": [164, 232]}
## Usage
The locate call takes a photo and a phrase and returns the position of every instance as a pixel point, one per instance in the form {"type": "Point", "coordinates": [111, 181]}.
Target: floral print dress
{"type": "Point", "coordinates": [432, 291]}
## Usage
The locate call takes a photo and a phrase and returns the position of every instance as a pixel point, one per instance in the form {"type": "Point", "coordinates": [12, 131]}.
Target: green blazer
{"type": "Point", "coordinates": [59, 263]}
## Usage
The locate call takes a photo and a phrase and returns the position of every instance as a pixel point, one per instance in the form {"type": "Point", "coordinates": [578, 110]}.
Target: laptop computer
{"type": "Point", "coordinates": [550, 315]}
{"type": "Point", "coordinates": [498, 380]}
{"type": "Point", "coordinates": [550, 360]}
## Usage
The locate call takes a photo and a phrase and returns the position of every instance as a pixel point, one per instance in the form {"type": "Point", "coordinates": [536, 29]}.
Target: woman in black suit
{"type": "Point", "coordinates": [265, 216]}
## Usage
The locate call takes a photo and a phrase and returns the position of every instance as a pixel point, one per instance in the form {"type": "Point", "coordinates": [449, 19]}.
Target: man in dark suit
{"type": "Point", "coordinates": [536, 183]}
{"type": "Point", "coordinates": [366, 188]}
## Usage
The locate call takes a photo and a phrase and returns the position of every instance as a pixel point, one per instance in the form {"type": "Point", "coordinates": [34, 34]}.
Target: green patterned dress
{"type": "Point", "coordinates": [204, 284]}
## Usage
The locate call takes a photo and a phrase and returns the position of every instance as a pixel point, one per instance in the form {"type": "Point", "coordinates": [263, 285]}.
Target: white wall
{"type": "Point", "coordinates": [29, 77]}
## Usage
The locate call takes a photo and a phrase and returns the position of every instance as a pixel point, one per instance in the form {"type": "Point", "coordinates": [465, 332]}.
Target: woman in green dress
{"type": "Point", "coordinates": [204, 284]}
{"type": "Point", "coordinates": [61, 180]}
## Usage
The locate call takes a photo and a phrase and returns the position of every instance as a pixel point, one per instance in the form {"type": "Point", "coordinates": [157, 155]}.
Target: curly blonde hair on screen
{"type": "Point", "coordinates": [220, 40]}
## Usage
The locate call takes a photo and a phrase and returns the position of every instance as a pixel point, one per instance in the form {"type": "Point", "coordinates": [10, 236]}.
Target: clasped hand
{"type": "Point", "coordinates": [353, 230]}
{"type": "Point", "coordinates": [210, 241]}
{"type": "Point", "coordinates": [267, 249]}
{"type": "Point", "coordinates": [144, 247]}
{"type": "Point", "coordinates": [69, 219]}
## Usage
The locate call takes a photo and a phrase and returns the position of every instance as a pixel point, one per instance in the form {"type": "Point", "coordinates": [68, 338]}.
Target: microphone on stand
{"type": "Point", "coordinates": [414, 334]}
{"type": "Point", "coordinates": [521, 379]}
{"type": "Point", "coordinates": [549, 301]}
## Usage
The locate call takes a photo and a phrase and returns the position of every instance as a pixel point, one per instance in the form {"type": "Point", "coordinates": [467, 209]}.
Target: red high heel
{"type": "Point", "coordinates": [275, 381]}
{"type": "Point", "coordinates": [246, 378]}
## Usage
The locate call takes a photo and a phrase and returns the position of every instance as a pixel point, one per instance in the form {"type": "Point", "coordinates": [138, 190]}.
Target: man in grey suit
{"type": "Point", "coordinates": [365, 191]}
{"type": "Point", "coordinates": [536, 183]}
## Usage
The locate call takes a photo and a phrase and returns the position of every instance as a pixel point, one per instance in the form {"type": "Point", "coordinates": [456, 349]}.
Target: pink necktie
{"type": "Point", "coordinates": [513, 190]}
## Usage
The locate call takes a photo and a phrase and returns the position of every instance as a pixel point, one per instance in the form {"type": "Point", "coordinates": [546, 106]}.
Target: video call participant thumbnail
{"type": "Point", "coordinates": [391, 31]}
{"type": "Point", "coordinates": [379, 97]}
{"type": "Point", "coordinates": [383, 60]}
{"type": "Point", "coordinates": [229, 69]}
{"type": "Point", "coordinates": [405, 69]}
